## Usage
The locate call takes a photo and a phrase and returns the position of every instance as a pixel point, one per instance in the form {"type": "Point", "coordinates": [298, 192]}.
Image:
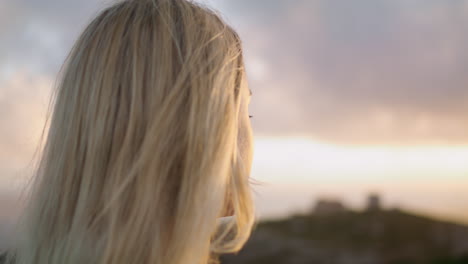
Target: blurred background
{"type": "Point", "coordinates": [360, 120]}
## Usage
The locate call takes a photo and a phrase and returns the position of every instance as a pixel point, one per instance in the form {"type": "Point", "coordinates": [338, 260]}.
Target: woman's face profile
{"type": "Point", "coordinates": [245, 136]}
{"type": "Point", "coordinates": [245, 128]}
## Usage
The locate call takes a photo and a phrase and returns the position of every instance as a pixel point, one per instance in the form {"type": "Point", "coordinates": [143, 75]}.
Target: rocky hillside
{"type": "Point", "coordinates": [348, 237]}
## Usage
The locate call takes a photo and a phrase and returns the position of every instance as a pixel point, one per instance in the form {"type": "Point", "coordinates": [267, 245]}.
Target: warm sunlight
{"type": "Point", "coordinates": [426, 178]}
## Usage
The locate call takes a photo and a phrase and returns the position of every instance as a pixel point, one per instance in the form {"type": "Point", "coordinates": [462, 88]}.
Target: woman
{"type": "Point", "coordinates": [149, 144]}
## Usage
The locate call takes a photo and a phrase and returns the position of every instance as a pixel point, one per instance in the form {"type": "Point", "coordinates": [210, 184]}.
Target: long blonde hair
{"type": "Point", "coordinates": [141, 156]}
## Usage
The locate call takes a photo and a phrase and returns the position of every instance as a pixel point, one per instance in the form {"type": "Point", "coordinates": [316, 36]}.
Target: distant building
{"type": "Point", "coordinates": [373, 202]}
{"type": "Point", "coordinates": [327, 207]}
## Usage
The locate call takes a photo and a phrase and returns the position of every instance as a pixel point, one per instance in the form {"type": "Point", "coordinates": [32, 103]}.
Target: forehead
{"type": "Point", "coordinates": [242, 85]}
{"type": "Point", "coordinates": [245, 84]}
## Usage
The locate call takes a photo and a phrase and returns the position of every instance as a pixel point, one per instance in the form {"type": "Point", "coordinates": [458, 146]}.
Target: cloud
{"type": "Point", "coordinates": [366, 71]}
{"type": "Point", "coordinates": [358, 72]}
{"type": "Point", "coordinates": [38, 34]}
{"type": "Point", "coordinates": [35, 37]}
{"type": "Point", "coordinates": [23, 104]}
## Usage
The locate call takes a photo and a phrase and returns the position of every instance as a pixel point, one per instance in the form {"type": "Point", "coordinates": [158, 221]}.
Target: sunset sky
{"type": "Point", "coordinates": [349, 97]}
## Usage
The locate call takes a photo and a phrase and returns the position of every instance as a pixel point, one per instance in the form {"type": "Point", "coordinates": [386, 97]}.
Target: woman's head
{"type": "Point", "coordinates": [149, 142]}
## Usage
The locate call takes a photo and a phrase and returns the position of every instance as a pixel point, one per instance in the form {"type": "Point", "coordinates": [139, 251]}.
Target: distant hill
{"type": "Point", "coordinates": [349, 237]}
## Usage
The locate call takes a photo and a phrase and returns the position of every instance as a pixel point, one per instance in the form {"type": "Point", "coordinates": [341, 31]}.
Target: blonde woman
{"type": "Point", "coordinates": [149, 146]}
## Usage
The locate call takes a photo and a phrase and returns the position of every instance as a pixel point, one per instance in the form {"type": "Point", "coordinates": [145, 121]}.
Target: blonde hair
{"type": "Point", "coordinates": [141, 156]}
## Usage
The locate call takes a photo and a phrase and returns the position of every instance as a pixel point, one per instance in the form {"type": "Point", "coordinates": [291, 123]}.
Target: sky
{"type": "Point", "coordinates": [349, 97]}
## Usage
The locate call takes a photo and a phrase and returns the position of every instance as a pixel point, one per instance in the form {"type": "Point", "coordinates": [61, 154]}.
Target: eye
{"type": "Point", "coordinates": [250, 116]}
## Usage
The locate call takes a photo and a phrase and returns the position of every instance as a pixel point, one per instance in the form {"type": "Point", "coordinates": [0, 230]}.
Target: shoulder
{"type": "Point", "coordinates": [3, 257]}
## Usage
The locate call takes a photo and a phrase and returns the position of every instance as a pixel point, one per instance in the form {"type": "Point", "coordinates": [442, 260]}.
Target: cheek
{"type": "Point", "coordinates": [245, 142]}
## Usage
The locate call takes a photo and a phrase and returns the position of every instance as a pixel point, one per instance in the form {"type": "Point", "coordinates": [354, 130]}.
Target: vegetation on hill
{"type": "Point", "coordinates": [374, 237]}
